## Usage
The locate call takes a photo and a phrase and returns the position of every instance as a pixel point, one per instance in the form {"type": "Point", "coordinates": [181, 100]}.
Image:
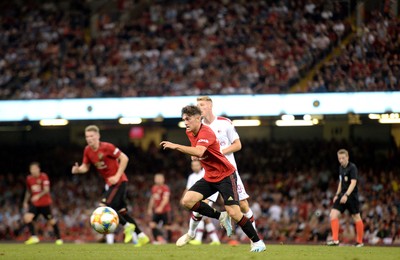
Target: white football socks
{"type": "Point", "coordinates": [200, 231]}
{"type": "Point", "coordinates": [193, 224]}
{"type": "Point", "coordinates": [210, 228]}
{"type": "Point", "coordinates": [110, 239]}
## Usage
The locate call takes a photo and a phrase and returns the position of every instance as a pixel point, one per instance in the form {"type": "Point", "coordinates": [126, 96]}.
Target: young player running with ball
{"type": "Point", "coordinates": [220, 175]}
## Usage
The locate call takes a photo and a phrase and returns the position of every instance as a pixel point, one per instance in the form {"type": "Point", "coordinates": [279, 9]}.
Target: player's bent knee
{"type": "Point", "coordinates": [334, 214]}
{"type": "Point", "coordinates": [152, 224]}
{"type": "Point", "coordinates": [28, 217]}
{"type": "Point", "coordinates": [234, 212]}
{"type": "Point", "coordinates": [356, 217]}
{"type": "Point", "coordinates": [187, 203]}
{"type": "Point", "coordinates": [52, 221]}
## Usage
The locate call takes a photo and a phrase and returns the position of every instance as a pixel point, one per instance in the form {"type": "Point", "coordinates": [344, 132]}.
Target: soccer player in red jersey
{"type": "Point", "coordinates": [230, 143]}
{"type": "Point", "coordinates": [219, 176]}
{"type": "Point", "coordinates": [111, 163]}
{"type": "Point", "coordinates": [159, 207]}
{"type": "Point", "coordinates": [38, 194]}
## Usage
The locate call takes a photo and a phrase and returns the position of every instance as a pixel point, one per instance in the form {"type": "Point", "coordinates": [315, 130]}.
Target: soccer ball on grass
{"type": "Point", "coordinates": [104, 220]}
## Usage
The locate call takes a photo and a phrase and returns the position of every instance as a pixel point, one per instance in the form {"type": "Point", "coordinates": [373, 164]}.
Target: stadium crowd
{"type": "Point", "coordinates": [370, 62]}
{"type": "Point", "coordinates": [174, 48]}
{"type": "Point", "coordinates": [291, 184]}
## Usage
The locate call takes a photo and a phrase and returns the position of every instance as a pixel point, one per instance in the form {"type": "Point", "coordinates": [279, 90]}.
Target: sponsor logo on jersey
{"type": "Point", "coordinates": [36, 188]}
{"type": "Point", "coordinates": [203, 141]}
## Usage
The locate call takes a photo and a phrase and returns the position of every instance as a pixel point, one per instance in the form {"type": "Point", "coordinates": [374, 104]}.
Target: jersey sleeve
{"type": "Point", "coordinates": [166, 191]}
{"type": "Point", "coordinates": [353, 172]}
{"type": "Point", "coordinates": [45, 179]}
{"type": "Point", "coordinates": [153, 190]}
{"type": "Point", "coordinates": [86, 159]}
{"type": "Point", "coordinates": [231, 132]}
{"type": "Point", "coordinates": [206, 138]}
{"type": "Point", "coordinates": [113, 151]}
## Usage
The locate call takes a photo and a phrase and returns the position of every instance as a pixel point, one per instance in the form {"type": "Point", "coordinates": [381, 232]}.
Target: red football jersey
{"type": "Point", "coordinates": [105, 159]}
{"type": "Point", "coordinates": [215, 164]}
{"type": "Point", "coordinates": [36, 186]}
{"type": "Point", "coordinates": [158, 192]}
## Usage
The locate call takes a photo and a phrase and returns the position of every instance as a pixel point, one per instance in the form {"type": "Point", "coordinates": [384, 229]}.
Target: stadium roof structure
{"type": "Point", "coordinates": [229, 105]}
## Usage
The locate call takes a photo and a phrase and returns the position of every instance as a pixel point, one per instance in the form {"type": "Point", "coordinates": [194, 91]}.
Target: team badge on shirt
{"type": "Point", "coordinates": [100, 155]}
{"type": "Point", "coordinates": [346, 178]}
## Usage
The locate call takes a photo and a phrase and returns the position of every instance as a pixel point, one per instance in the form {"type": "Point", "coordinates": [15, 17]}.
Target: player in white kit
{"type": "Point", "coordinates": [229, 141]}
{"type": "Point", "coordinates": [197, 221]}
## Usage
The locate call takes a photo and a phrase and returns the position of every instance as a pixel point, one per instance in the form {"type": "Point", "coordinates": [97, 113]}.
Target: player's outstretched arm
{"type": "Point", "coordinates": [77, 169]}
{"type": "Point", "coordinates": [197, 151]}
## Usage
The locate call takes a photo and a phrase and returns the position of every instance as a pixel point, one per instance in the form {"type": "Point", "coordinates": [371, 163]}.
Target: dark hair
{"type": "Point", "coordinates": [191, 110]}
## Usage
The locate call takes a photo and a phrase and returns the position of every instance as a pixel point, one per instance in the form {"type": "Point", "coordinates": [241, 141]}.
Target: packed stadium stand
{"type": "Point", "coordinates": [174, 48]}
{"type": "Point", "coordinates": [370, 62]}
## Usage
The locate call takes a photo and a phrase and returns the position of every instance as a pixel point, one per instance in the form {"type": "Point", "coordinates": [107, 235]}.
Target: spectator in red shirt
{"type": "Point", "coordinates": [38, 196]}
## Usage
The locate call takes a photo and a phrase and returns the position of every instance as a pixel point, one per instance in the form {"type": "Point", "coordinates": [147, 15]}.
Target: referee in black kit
{"type": "Point", "coordinates": [346, 198]}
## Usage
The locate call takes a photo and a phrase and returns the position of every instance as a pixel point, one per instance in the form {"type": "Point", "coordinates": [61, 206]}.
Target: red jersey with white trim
{"type": "Point", "coordinates": [215, 164]}
{"type": "Point", "coordinates": [226, 134]}
{"type": "Point", "coordinates": [159, 192]}
{"type": "Point", "coordinates": [105, 159]}
{"type": "Point", "coordinates": [36, 186]}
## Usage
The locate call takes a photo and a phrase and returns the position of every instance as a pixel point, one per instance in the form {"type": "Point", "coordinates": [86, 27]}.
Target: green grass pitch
{"type": "Point", "coordinates": [45, 251]}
